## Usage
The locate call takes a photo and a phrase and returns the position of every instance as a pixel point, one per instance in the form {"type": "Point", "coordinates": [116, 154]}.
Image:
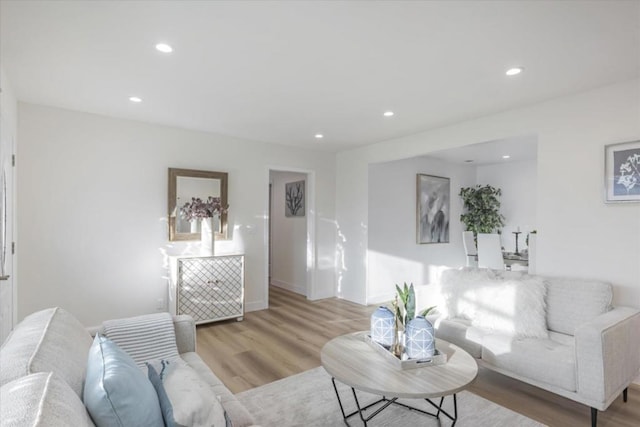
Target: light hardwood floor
{"type": "Point", "coordinates": [286, 339]}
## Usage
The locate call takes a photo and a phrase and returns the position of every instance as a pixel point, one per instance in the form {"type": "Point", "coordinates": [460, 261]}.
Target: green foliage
{"type": "Point", "coordinates": [482, 205]}
{"type": "Point", "coordinates": [426, 311]}
{"type": "Point", "coordinates": [405, 308]}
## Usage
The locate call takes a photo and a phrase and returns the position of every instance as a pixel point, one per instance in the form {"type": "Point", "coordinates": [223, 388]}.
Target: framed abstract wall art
{"type": "Point", "coordinates": [622, 172]}
{"type": "Point", "coordinates": [433, 209]}
{"type": "Point", "coordinates": [294, 198]}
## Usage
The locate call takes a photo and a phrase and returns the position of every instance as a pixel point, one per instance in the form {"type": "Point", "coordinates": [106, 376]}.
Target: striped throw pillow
{"type": "Point", "coordinates": [144, 338]}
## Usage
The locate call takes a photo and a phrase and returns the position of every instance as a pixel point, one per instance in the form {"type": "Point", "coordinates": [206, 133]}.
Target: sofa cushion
{"type": "Point", "coordinates": [237, 413]}
{"type": "Point", "coordinates": [50, 340]}
{"type": "Point", "coordinates": [545, 360]}
{"type": "Point", "coordinates": [117, 393]}
{"type": "Point", "coordinates": [461, 333]}
{"type": "Point", "coordinates": [193, 403]}
{"type": "Point", "coordinates": [41, 399]}
{"type": "Point", "coordinates": [572, 302]}
{"type": "Point", "coordinates": [146, 337]}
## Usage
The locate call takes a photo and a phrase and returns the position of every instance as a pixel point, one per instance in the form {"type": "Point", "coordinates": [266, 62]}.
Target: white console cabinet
{"type": "Point", "coordinates": [207, 288]}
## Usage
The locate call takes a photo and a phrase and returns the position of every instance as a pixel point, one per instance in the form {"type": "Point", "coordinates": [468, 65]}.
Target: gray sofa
{"type": "Point", "coordinates": [572, 342]}
{"type": "Point", "coordinates": [43, 367]}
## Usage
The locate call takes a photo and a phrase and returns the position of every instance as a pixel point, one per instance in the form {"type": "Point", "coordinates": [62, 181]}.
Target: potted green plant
{"type": "Point", "coordinates": [482, 209]}
{"type": "Point", "coordinates": [404, 308]}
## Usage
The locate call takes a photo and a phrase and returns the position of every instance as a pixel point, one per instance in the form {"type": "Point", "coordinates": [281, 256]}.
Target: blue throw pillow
{"type": "Point", "coordinates": [165, 403]}
{"type": "Point", "coordinates": [116, 391]}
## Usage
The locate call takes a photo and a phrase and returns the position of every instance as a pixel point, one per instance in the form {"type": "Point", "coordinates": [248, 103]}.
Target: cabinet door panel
{"type": "Point", "coordinates": [211, 288]}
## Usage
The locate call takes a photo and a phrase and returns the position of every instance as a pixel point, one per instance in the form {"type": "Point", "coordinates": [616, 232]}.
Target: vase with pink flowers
{"type": "Point", "coordinates": [207, 212]}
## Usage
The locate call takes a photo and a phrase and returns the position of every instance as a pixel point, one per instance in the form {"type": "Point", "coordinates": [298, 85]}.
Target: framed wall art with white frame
{"type": "Point", "coordinates": [622, 172]}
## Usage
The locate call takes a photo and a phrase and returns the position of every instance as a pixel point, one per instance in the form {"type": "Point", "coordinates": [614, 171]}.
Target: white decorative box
{"type": "Point", "coordinates": [406, 363]}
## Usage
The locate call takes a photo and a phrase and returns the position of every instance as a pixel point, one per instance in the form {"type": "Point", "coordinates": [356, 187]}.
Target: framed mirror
{"type": "Point", "coordinates": [185, 184]}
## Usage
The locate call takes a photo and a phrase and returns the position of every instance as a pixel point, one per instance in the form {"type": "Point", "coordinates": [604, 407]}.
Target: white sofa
{"type": "Point", "coordinates": [559, 334]}
{"type": "Point", "coordinates": [43, 367]}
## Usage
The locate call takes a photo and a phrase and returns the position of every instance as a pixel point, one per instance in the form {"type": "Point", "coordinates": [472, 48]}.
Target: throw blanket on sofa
{"type": "Point", "coordinates": [144, 338]}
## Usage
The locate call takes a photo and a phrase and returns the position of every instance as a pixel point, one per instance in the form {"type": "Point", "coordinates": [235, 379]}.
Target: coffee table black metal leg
{"type": "Point", "coordinates": [344, 416]}
{"type": "Point", "coordinates": [440, 407]}
{"type": "Point", "coordinates": [360, 410]}
{"type": "Point", "coordinates": [453, 418]}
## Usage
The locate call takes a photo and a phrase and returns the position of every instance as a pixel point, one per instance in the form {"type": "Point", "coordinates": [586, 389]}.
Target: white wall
{"type": "Point", "coordinates": [8, 138]}
{"type": "Point", "coordinates": [93, 199]}
{"type": "Point", "coordinates": [519, 200]}
{"type": "Point", "coordinates": [394, 257]}
{"type": "Point", "coordinates": [578, 235]}
{"type": "Point", "coordinates": [288, 238]}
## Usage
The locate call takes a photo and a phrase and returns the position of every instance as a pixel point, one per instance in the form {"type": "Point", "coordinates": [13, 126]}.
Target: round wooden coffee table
{"type": "Point", "coordinates": [355, 363]}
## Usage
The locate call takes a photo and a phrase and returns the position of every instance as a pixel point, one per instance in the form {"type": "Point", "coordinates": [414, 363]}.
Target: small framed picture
{"type": "Point", "coordinates": [622, 172]}
{"type": "Point", "coordinates": [294, 198]}
{"type": "Point", "coordinates": [432, 213]}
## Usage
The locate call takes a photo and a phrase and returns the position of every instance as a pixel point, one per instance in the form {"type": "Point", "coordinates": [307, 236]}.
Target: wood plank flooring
{"type": "Point", "coordinates": [287, 338]}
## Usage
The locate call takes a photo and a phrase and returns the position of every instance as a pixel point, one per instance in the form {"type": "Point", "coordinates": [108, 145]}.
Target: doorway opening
{"type": "Point", "coordinates": [290, 240]}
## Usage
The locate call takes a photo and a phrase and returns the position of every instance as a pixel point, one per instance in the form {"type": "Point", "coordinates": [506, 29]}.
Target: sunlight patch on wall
{"type": "Point", "coordinates": [390, 270]}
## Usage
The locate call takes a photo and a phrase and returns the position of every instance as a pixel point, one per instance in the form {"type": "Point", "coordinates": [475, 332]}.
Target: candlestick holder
{"type": "Point", "coordinates": [517, 233]}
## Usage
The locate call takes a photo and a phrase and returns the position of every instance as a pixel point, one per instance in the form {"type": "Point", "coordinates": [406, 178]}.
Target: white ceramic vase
{"type": "Point", "coordinates": [207, 237]}
{"type": "Point", "coordinates": [420, 339]}
{"type": "Point", "coordinates": [383, 326]}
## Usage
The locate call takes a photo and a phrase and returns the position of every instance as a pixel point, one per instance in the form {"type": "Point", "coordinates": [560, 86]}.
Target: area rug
{"type": "Point", "coordinates": [308, 399]}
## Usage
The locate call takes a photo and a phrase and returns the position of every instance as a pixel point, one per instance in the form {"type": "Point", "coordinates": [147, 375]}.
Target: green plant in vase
{"type": "Point", "coordinates": [404, 307]}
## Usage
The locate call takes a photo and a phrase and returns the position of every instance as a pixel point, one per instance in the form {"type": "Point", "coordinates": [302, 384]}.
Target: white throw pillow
{"type": "Point", "coordinates": [191, 401]}
{"type": "Point", "coordinates": [512, 307]}
{"type": "Point", "coordinates": [459, 287]}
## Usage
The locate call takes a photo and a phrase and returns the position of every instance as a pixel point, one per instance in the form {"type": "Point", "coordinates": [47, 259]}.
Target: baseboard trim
{"type": "Point", "coordinates": [254, 306]}
{"type": "Point", "coordinates": [289, 287]}
{"type": "Point", "coordinates": [323, 295]}
{"type": "Point", "coordinates": [380, 298]}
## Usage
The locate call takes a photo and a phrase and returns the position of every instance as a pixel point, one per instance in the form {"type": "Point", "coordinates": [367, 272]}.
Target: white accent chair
{"type": "Point", "coordinates": [533, 248]}
{"type": "Point", "coordinates": [469, 248]}
{"type": "Point", "coordinates": [490, 252]}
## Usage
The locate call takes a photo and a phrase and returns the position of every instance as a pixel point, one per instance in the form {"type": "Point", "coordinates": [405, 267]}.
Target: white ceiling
{"type": "Point", "coordinates": [491, 152]}
{"type": "Point", "coordinates": [283, 71]}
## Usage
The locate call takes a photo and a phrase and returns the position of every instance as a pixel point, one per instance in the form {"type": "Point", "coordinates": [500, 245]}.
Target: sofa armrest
{"type": "Point", "coordinates": [185, 328]}
{"type": "Point", "coordinates": [607, 355]}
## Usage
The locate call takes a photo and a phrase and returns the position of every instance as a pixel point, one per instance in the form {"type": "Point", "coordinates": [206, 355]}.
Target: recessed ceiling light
{"type": "Point", "coordinates": [506, 156]}
{"type": "Point", "coordinates": [164, 48]}
{"type": "Point", "coordinates": [388, 113]}
{"type": "Point", "coordinates": [135, 99]}
{"type": "Point", "coordinates": [319, 136]}
{"type": "Point", "coordinates": [514, 71]}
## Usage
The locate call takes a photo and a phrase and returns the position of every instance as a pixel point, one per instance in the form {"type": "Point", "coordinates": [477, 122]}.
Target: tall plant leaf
{"type": "Point", "coordinates": [410, 306]}
{"type": "Point", "coordinates": [426, 311]}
